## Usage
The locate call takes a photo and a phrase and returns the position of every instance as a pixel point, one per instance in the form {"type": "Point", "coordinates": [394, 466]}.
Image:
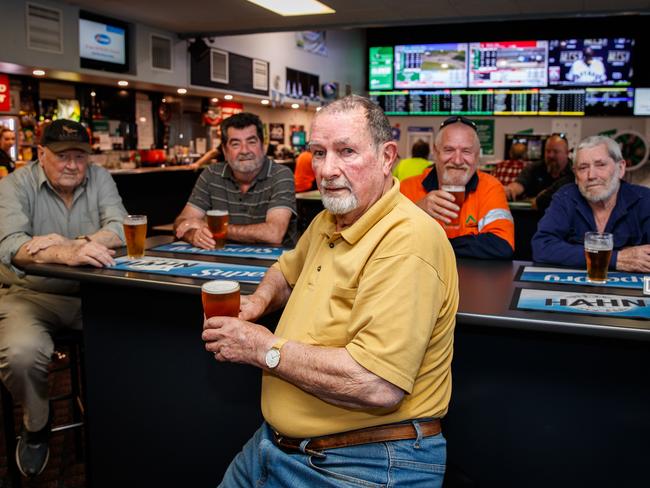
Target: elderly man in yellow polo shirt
{"type": "Point", "coordinates": [357, 374]}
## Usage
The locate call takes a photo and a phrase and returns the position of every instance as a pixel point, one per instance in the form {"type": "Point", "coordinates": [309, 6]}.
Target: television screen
{"type": "Point", "coordinates": [432, 102]}
{"type": "Point", "coordinates": [431, 66]}
{"type": "Point", "coordinates": [472, 102]}
{"type": "Point", "coordinates": [609, 101]}
{"type": "Point", "coordinates": [562, 102]}
{"type": "Point", "coordinates": [589, 62]}
{"type": "Point", "coordinates": [393, 102]}
{"type": "Point", "coordinates": [103, 43]}
{"type": "Point", "coordinates": [642, 101]}
{"type": "Point", "coordinates": [516, 102]}
{"type": "Point", "coordinates": [298, 138]}
{"type": "Point", "coordinates": [508, 64]}
{"type": "Point", "coordinates": [381, 68]}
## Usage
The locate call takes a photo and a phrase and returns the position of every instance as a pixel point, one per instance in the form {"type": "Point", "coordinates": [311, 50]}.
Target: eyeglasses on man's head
{"type": "Point", "coordinates": [461, 119]}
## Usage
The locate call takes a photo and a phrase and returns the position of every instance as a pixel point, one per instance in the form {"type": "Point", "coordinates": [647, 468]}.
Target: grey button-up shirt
{"type": "Point", "coordinates": [30, 207]}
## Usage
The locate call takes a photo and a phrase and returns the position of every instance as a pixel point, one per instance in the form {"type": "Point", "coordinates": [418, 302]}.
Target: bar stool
{"type": "Point", "coordinates": [66, 342]}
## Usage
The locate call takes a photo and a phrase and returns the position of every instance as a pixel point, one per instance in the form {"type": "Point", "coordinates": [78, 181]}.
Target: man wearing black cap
{"type": "Point", "coordinates": [62, 210]}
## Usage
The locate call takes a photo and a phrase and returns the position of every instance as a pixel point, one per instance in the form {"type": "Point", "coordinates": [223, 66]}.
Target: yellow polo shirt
{"type": "Point", "coordinates": [386, 289]}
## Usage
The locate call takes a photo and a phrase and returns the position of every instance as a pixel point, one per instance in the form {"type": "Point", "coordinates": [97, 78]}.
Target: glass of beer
{"type": "Point", "coordinates": [458, 192]}
{"type": "Point", "coordinates": [220, 297]}
{"type": "Point", "coordinates": [218, 225]}
{"type": "Point", "coordinates": [598, 252]}
{"type": "Point", "coordinates": [135, 231]}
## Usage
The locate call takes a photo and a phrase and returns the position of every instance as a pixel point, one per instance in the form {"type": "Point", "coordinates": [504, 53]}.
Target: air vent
{"type": "Point", "coordinates": [219, 66]}
{"type": "Point", "coordinates": [44, 28]}
{"type": "Point", "coordinates": [161, 53]}
{"type": "Point", "coordinates": [260, 75]}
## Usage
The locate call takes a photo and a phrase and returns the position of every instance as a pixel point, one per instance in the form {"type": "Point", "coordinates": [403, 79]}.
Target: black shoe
{"type": "Point", "coordinates": [33, 450]}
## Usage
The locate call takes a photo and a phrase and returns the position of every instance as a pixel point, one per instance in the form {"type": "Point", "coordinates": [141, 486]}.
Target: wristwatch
{"type": "Point", "coordinates": [272, 358]}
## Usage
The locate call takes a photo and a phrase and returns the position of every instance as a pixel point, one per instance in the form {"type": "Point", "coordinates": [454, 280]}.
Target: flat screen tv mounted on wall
{"type": "Point", "coordinates": [103, 43]}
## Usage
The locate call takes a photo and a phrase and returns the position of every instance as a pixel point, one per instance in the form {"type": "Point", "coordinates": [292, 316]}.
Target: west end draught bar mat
{"type": "Point", "coordinates": [615, 279]}
{"type": "Point", "coordinates": [232, 250]}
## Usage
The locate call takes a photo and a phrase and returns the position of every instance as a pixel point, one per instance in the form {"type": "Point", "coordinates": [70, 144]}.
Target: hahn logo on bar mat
{"type": "Point", "coordinates": [234, 250]}
{"type": "Point", "coordinates": [615, 279]}
{"type": "Point", "coordinates": [192, 269]}
{"type": "Point", "coordinates": [585, 303]}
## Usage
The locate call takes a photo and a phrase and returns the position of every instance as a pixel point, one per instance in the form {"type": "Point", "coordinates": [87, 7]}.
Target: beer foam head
{"type": "Point", "coordinates": [135, 219]}
{"type": "Point", "coordinates": [217, 213]}
{"type": "Point", "coordinates": [453, 188]}
{"type": "Point", "coordinates": [219, 287]}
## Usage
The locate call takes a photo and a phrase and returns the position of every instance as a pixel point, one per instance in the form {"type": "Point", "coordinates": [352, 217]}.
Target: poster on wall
{"type": "Point", "coordinates": [276, 132]}
{"type": "Point", "coordinates": [68, 109]}
{"type": "Point", "coordinates": [485, 129]}
{"type": "Point", "coordinates": [312, 41]}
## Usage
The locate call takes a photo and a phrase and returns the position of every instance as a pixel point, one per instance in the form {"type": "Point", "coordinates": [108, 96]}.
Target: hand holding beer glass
{"type": "Point", "coordinates": [458, 192]}
{"type": "Point", "coordinates": [220, 298]}
{"type": "Point", "coordinates": [135, 231]}
{"type": "Point", "coordinates": [218, 225]}
{"type": "Point", "coordinates": [598, 252]}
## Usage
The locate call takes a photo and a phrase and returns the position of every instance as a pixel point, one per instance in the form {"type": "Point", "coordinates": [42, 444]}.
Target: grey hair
{"type": "Point", "coordinates": [438, 138]}
{"type": "Point", "coordinates": [377, 122]}
{"type": "Point", "coordinates": [613, 149]}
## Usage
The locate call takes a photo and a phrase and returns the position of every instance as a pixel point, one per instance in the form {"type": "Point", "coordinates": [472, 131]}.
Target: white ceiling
{"type": "Point", "coordinates": [224, 17]}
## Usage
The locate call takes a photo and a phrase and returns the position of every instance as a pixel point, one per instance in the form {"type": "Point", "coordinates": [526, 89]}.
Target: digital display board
{"type": "Point", "coordinates": [392, 102]}
{"type": "Point", "coordinates": [508, 64]}
{"type": "Point", "coordinates": [609, 101]}
{"type": "Point", "coordinates": [562, 102]}
{"type": "Point", "coordinates": [642, 101]}
{"type": "Point", "coordinates": [472, 102]}
{"type": "Point", "coordinates": [516, 102]}
{"type": "Point", "coordinates": [381, 68]}
{"type": "Point", "coordinates": [434, 102]}
{"type": "Point", "coordinates": [590, 62]}
{"type": "Point", "coordinates": [431, 66]}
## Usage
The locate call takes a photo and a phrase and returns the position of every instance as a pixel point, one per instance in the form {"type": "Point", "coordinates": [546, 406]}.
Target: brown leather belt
{"type": "Point", "coordinates": [379, 433]}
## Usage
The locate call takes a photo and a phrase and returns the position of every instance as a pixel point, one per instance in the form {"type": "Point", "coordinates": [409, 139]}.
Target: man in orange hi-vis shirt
{"type": "Point", "coordinates": [476, 217]}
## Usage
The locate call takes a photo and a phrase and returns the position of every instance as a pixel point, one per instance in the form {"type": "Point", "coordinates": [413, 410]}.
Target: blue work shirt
{"type": "Point", "coordinates": [560, 233]}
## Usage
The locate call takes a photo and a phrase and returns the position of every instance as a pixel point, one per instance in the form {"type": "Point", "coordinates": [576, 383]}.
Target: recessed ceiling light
{"type": "Point", "coordinates": [182, 91]}
{"type": "Point", "coordinates": [228, 97]}
{"type": "Point", "coordinates": [38, 72]}
{"type": "Point", "coordinates": [214, 100]}
{"type": "Point", "coordinates": [164, 100]}
{"type": "Point", "coordinates": [295, 105]}
{"type": "Point", "coordinates": [93, 94]}
{"type": "Point", "coordinates": [123, 83]}
{"type": "Point", "coordinates": [288, 8]}
{"type": "Point", "coordinates": [142, 119]}
{"type": "Point", "coordinates": [265, 102]}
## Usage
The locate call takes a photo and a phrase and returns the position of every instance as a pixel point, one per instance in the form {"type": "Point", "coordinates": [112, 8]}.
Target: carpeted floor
{"type": "Point", "coordinates": [65, 468]}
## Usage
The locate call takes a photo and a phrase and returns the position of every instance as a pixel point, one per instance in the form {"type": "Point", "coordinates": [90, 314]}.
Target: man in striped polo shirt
{"type": "Point", "coordinates": [258, 194]}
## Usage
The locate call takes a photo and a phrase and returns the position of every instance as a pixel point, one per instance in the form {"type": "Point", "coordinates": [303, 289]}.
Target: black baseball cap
{"type": "Point", "coordinates": [63, 134]}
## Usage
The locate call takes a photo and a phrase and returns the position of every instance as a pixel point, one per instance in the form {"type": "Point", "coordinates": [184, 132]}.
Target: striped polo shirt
{"type": "Point", "coordinates": [273, 187]}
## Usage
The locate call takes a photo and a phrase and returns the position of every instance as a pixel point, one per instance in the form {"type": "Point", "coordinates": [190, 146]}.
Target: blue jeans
{"type": "Point", "coordinates": [410, 463]}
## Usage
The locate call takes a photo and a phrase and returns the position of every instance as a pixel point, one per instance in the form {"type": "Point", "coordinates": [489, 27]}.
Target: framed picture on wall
{"type": "Point", "coordinates": [276, 132]}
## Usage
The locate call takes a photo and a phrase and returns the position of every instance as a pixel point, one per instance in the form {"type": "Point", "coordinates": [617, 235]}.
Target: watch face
{"type": "Point", "coordinates": [272, 357]}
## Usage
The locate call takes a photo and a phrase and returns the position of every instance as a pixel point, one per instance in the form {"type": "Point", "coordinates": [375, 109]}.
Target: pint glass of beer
{"type": "Point", "coordinates": [459, 196]}
{"type": "Point", "coordinates": [218, 224]}
{"type": "Point", "coordinates": [135, 231]}
{"type": "Point", "coordinates": [220, 297]}
{"type": "Point", "coordinates": [598, 251]}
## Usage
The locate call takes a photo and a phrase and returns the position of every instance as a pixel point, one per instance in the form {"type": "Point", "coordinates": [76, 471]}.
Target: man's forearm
{"type": "Point", "coordinates": [274, 291]}
{"type": "Point", "coordinates": [265, 232]}
{"type": "Point", "coordinates": [334, 376]}
{"type": "Point", "coordinates": [107, 238]}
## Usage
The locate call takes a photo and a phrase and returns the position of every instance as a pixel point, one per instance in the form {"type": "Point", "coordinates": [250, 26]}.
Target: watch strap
{"type": "Point", "coordinates": [279, 343]}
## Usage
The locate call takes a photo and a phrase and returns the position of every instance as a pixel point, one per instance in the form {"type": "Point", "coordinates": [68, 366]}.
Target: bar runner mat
{"type": "Point", "coordinates": [233, 250]}
{"type": "Point", "coordinates": [615, 279]}
{"type": "Point", "coordinates": [584, 303]}
{"type": "Point", "coordinates": [191, 269]}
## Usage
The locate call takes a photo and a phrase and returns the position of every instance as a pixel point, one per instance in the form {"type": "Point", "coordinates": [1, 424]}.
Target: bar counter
{"type": "Point", "coordinates": [539, 399]}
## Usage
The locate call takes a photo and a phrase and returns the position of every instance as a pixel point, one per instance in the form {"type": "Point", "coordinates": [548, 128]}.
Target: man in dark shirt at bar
{"type": "Point", "coordinates": [599, 200]}
{"type": "Point", "coordinates": [258, 194]}
{"type": "Point", "coordinates": [542, 179]}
